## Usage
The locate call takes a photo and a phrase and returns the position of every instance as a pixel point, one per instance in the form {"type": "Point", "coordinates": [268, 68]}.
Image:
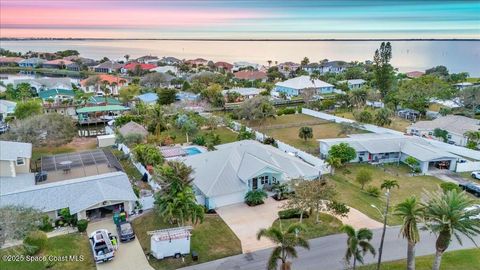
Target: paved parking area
{"type": "Point", "coordinates": [246, 221]}
{"type": "Point", "coordinates": [128, 256]}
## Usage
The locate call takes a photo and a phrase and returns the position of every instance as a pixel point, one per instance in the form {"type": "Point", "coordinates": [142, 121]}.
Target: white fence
{"type": "Point", "coordinates": [147, 202]}
{"type": "Point", "coordinates": [468, 166]}
{"type": "Point", "coordinates": [139, 167]}
{"type": "Point", "coordinates": [314, 161]}
{"type": "Point", "coordinates": [338, 119]}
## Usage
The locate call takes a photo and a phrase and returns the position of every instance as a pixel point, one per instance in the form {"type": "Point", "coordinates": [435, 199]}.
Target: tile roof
{"type": "Point", "coordinates": [107, 78]}
{"type": "Point", "coordinates": [76, 194]}
{"type": "Point", "coordinates": [58, 62]}
{"type": "Point", "coordinates": [10, 59]}
{"type": "Point", "coordinates": [250, 75]}
{"type": "Point", "coordinates": [132, 66]}
{"type": "Point", "coordinates": [227, 169]}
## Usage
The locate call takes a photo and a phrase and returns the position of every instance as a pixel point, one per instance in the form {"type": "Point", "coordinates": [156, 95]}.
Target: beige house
{"type": "Point", "coordinates": [14, 158]}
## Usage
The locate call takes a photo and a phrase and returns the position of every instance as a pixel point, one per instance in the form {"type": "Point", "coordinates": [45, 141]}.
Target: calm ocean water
{"type": "Point", "coordinates": [457, 56]}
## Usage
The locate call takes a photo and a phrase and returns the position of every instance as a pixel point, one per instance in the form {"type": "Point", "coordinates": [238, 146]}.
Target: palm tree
{"type": "Point", "coordinates": [411, 214]}
{"type": "Point", "coordinates": [387, 185]}
{"type": "Point", "coordinates": [445, 215]}
{"type": "Point", "coordinates": [286, 242]}
{"type": "Point", "coordinates": [156, 119]}
{"type": "Point", "coordinates": [358, 244]}
{"type": "Point", "coordinates": [305, 133]}
{"type": "Point", "coordinates": [269, 62]}
{"type": "Point", "coordinates": [334, 163]}
{"type": "Point", "coordinates": [127, 57]}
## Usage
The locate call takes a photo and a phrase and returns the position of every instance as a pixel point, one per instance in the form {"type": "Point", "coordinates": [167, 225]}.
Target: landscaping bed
{"type": "Point", "coordinates": [328, 225]}
{"type": "Point", "coordinates": [65, 245]}
{"type": "Point", "coordinates": [468, 259]}
{"type": "Point", "coordinates": [350, 193]}
{"type": "Point", "coordinates": [212, 240]}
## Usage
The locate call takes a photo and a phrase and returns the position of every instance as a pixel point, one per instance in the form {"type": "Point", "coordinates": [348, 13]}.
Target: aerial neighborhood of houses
{"type": "Point", "coordinates": [150, 156]}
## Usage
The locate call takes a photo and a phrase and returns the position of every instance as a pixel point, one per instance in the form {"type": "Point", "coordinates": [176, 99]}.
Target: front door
{"type": "Point", "coordinates": [254, 183]}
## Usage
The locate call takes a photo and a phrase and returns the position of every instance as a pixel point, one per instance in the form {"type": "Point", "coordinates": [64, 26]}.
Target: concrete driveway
{"type": "Point", "coordinates": [246, 221]}
{"type": "Point", "coordinates": [128, 256]}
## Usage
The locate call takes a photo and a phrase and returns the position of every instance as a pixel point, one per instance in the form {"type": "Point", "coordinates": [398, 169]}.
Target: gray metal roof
{"type": "Point", "coordinates": [452, 123]}
{"type": "Point", "coordinates": [303, 82]}
{"type": "Point", "coordinates": [20, 181]}
{"type": "Point", "coordinates": [76, 194]}
{"type": "Point", "coordinates": [13, 150]}
{"type": "Point", "coordinates": [227, 169]}
{"type": "Point", "coordinates": [131, 128]}
{"type": "Point", "coordinates": [390, 143]}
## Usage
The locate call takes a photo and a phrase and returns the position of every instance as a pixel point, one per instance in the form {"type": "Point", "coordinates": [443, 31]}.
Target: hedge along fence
{"type": "Point", "coordinates": [308, 158]}
{"type": "Point", "coordinates": [139, 166]}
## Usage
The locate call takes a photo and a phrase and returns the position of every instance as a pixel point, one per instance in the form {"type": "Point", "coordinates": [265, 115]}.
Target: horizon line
{"type": "Point", "coordinates": [249, 39]}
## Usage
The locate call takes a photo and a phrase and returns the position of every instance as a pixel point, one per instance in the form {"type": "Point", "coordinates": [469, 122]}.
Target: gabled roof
{"type": "Point", "coordinates": [106, 108]}
{"type": "Point", "coordinates": [33, 60]}
{"type": "Point", "coordinates": [133, 66]}
{"type": "Point", "coordinates": [58, 62]}
{"type": "Point", "coordinates": [109, 65]}
{"type": "Point", "coordinates": [10, 59]}
{"type": "Point", "coordinates": [250, 75]}
{"type": "Point", "coordinates": [106, 78]}
{"type": "Point", "coordinates": [55, 92]}
{"type": "Point", "coordinates": [452, 123]}
{"type": "Point", "coordinates": [303, 82]}
{"type": "Point", "coordinates": [12, 150]}
{"type": "Point", "coordinates": [148, 97]}
{"type": "Point", "coordinates": [354, 81]}
{"type": "Point", "coordinates": [131, 128]}
{"type": "Point", "coordinates": [244, 91]}
{"type": "Point", "coordinates": [102, 100]}
{"type": "Point", "coordinates": [76, 194]}
{"type": "Point", "coordinates": [227, 169]}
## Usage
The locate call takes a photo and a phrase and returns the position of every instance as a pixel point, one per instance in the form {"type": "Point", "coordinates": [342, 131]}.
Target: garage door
{"type": "Point", "coordinates": [229, 199]}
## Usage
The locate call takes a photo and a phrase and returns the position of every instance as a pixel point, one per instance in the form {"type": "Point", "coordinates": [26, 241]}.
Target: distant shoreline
{"type": "Point", "coordinates": [225, 39]}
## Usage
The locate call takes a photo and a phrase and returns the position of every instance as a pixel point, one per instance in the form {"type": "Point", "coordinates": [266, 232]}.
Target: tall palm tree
{"type": "Point", "coordinates": [358, 244]}
{"type": "Point", "coordinates": [445, 215]}
{"type": "Point", "coordinates": [411, 214]}
{"type": "Point", "coordinates": [388, 185]}
{"type": "Point", "coordinates": [155, 119]}
{"type": "Point", "coordinates": [286, 242]}
{"type": "Point", "coordinates": [334, 163]}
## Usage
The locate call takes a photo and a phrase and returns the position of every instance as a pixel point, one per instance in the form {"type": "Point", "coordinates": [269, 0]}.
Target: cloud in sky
{"type": "Point", "coordinates": [240, 19]}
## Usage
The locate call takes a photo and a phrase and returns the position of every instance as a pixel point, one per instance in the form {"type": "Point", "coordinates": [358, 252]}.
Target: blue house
{"type": "Point", "coordinates": [31, 62]}
{"type": "Point", "coordinates": [148, 98]}
{"type": "Point", "coordinates": [295, 86]}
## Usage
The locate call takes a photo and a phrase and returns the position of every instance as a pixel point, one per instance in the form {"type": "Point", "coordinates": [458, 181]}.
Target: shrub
{"type": "Point", "coordinates": [82, 225]}
{"type": "Point", "coordinates": [199, 140]}
{"type": "Point", "coordinates": [363, 116]}
{"type": "Point", "coordinates": [35, 241]}
{"type": "Point", "coordinates": [292, 213]}
{"type": "Point", "coordinates": [270, 141]}
{"type": "Point", "coordinates": [447, 186]}
{"type": "Point", "coordinates": [46, 225]}
{"type": "Point", "coordinates": [282, 111]}
{"type": "Point", "coordinates": [255, 197]}
{"type": "Point", "coordinates": [373, 191]}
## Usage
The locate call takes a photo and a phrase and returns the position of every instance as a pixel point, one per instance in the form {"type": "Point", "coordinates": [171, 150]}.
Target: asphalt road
{"type": "Point", "coordinates": [326, 253]}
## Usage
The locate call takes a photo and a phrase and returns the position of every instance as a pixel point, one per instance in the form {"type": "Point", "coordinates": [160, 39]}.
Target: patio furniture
{"type": "Point", "coordinates": [67, 166]}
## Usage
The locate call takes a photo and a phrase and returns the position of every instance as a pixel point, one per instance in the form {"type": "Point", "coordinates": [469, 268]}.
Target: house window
{"type": "Point", "coordinates": [20, 161]}
{"type": "Point", "coordinates": [449, 136]}
{"type": "Point", "coordinates": [274, 180]}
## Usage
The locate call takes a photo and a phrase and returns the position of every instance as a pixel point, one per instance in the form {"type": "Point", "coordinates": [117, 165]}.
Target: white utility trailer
{"type": "Point", "coordinates": [173, 242]}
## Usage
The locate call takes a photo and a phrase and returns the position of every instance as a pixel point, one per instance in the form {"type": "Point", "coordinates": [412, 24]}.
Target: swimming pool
{"type": "Point", "coordinates": [192, 151]}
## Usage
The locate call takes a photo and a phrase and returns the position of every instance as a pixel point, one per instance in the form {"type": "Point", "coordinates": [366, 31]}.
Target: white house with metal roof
{"type": "Point", "coordinates": [455, 125]}
{"type": "Point", "coordinates": [294, 87]}
{"type": "Point", "coordinates": [80, 195]}
{"type": "Point", "coordinates": [354, 84]}
{"type": "Point", "coordinates": [223, 177]}
{"type": "Point", "coordinates": [390, 148]}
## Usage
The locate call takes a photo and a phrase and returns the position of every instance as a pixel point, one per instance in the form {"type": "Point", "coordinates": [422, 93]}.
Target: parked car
{"type": "Point", "coordinates": [474, 208]}
{"type": "Point", "coordinates": [103, 245]}
{"type": "Point", "coordinates": [476, 175]}
{"type": "Point", "coordinates": [471, 187]}
{"type": "Point", "coordinates": [125, 231]}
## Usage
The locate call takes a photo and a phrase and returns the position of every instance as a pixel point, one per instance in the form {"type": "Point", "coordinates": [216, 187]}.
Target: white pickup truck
{"type": "Point", "coordinates": [103, 245]}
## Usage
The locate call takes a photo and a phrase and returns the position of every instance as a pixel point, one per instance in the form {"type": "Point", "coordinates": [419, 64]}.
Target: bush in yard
{"type": "Point", "coordinates": [199, 140]}
{"type": "Point", "coordinates": [342, 151]}
{"type": "Point", "coordinates": [82, 225]}
{"type": "Point", "coordinates": [447, 186]}
{"type": "Point", "coordinates": [292, 213]}
{"type": "Point", "coordinates": [373, 191]}
{"type": "Point", "coordinates": [34, 242]}
{"type": "Point", "coordinates": [46, 225]}
{"type": "Point", "coordinates": [363, 177]}
{"type": "Point", "coordinates": [271, 141]}
{"type": "Point", "coordinates": [147, 154]}
{"type": "Point", "coordinates": [255, 197]}
{"type": "Point", "coordinates": [363, 116]}
{"type": "Point", "coordinates": [281, 191]}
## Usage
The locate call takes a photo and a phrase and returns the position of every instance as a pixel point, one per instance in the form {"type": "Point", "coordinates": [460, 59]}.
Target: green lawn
{"type": "Point", "coordinates": [468, 259]}
{"type": "Point", "coordinates": [285, 128]}
{"type": "Point", "coordinates": [64, 245]}
{"type": "Point", "coordinates": [226, 135]}
{"type": "Point", "coordinates": [127, 165]}
{"type": "Point", "coordinates": [328, 225]}
{"type": "Point", "coordinates": [398, 123]}
{"type": "Point", "coordinates": [212, 240]}
{"type": "Point", "coordinates": [349, 190]}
